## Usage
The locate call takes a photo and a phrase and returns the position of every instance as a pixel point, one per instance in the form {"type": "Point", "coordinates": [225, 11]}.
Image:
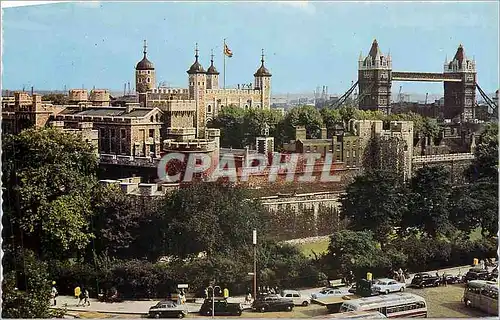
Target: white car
{"type": "Point", "coordinates": [296, 297]}
{"type": "Point", "coordinates": [387, 286]}
{"type": "Point", "coordinates": [330, 292]}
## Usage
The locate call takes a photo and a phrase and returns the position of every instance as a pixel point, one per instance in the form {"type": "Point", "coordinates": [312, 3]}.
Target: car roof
{"type": "Point", "coordinates": [290, 291]}
{"type": "Point", "coordinates": [385, 279]}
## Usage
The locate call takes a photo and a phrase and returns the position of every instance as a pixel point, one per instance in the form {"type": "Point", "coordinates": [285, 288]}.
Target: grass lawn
{"type": "Point", "coordinates": [319, 247]}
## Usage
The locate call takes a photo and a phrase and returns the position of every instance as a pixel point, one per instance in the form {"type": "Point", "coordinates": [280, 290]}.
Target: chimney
{"type": "Point", "coordinates": [323, 133]}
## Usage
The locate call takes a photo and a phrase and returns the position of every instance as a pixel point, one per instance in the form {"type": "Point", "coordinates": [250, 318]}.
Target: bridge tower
{"type": "Point", "coordinates": [460, 97]}
{"type": "Point", "coordinates": [374, 80]}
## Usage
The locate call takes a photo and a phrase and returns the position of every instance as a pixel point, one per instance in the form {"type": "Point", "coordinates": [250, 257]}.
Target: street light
{"type": "Point", "coordinates": [213, 298]}
{"type": "Point", "coordinates": [254, 241]}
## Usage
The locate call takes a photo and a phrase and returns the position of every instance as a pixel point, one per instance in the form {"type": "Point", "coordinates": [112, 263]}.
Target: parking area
{"type": "Point", "coordinates": [443, 302]}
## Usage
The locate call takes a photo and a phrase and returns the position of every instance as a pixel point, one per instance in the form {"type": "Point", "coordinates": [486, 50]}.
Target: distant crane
{"type": "Point", "coordinates": [400, 96]}
{"type": "Point", "coordinates": [426, 96]}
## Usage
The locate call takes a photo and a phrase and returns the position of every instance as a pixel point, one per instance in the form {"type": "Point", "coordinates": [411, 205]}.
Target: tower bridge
{"type": "Point", "coordinates": [459, 77]}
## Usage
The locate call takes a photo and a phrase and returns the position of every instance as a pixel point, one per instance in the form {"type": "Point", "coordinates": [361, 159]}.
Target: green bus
{"type": "Point", "coordinates": [482, 295]}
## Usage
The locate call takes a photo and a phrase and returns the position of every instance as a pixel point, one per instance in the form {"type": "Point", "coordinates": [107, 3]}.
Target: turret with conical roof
{"type": "Point", "coordinates": [460, 62]}
{"type": "Point", "coordinates": [263, 83]}
{"type": "Point", "coordinates": [374, 80]}
{"type": "Point", "coordinates": [196, 67]}
{"type": "Point", "coordinates": [262, 71]}
{"type": "Point", "coordinates": [145, 75]}
{"type": "Point", "coordinates": [212, 74]}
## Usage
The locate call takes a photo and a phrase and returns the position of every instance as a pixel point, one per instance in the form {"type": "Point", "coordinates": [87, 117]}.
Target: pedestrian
{"type": "Point", "coordinates": [81, 297]}
{"type": "Point", "coordinates": [179, 298]}
{"type": "Point", "coordinates": [87, 298]}
{"type": "Point", "coordinates": [78, 290]}
{"type": "Point", "coordinates": [226, 293]}
{"type": "Point", "coordinates": [482, 264]}
{"type": "Point", "coordinates": [444, 280]}
{"type": "Point", "coordinates": [53, 292]}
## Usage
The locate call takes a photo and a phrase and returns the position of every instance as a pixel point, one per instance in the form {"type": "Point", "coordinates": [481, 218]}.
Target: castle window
{"type": "Point", "coordinates": [149, 80]}
{"type": "Point", "coordinates": [209, 108]}
{"type": "Point", "coordinates": [149, 72]}
{"type": "Point", "coordinates": [151, 119]}
{"type": "Point", "coordinates": [156, 118]}
{"type": "Point", "coordinates": [123, 133]}
{"type": "Point", "coordinates": [151, 133]}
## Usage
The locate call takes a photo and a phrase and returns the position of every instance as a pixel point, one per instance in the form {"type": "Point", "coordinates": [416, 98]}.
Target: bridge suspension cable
{"type": "Point", "coordinates": [342, 98]}
{"type": "Point", "coordinates": [487, 99]}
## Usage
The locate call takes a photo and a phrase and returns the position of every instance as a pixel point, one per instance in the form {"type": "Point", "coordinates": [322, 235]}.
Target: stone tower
{"type": "Point", "coordinates": [374, 80]}
{"type": "Point", "coordinates": [197, 88]}
{"type": "Point", "coordinates": [145, 75]}
{"type": "Point", "coordinates": [212, 75]}
{"type": "Point", "coordinates": [460, 97]}
{"type": "Point", "coordinates": [263, 82]}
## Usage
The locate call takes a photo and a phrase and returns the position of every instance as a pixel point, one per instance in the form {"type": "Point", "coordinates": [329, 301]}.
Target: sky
{"type": "Point", "coordinates": [306, 44]}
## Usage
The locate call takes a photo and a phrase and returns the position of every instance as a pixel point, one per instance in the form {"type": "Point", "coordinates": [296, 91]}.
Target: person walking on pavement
{"type": "Point", "coordinates": [226, 293]}
{"type": "Point", "coordinates": [78, 290]}
{"type": "Point", "coordinates": [81, 297]}
{"type": "Point", "coordinates": [87, 298]}
{"type": "Point", "coordinates": [53, 292]}
{"type": "Point", "coordinates": [444, 280]}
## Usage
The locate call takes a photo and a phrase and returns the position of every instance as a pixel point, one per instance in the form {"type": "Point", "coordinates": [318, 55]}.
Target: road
{"type": "Point", "coordinates": [443, 302]}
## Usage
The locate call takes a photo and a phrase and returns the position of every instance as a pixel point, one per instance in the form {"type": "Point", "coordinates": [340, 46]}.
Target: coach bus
{"type": "Point", "coordinates": [482, 295]}
{"type": "Point", "coordinates": [395, 305]}
{"type": "Point", "coordinates": [354, 315]}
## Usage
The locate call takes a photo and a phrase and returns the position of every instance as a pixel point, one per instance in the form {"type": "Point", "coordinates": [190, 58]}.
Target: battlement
{"type": "Point", "coordinates": [174, 105]}
{"type": "Point", "coordinates": [198, 145]}
{"type": "Point", "coordinates": [169, 90]}
{"type": "Point", "coordinates": [234, 91]}
{"type": "Point", "coordinates": [443, 158]}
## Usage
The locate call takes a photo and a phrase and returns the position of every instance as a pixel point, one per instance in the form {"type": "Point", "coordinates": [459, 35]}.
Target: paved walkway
{"type": "Point", "coordinates": [142, 307]}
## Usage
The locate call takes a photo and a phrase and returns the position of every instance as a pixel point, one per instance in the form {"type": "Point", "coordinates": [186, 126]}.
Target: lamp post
{"type": "Point", "coordinates": [254, 240]}
{"type": "Point", "coordinates": [213, 298]}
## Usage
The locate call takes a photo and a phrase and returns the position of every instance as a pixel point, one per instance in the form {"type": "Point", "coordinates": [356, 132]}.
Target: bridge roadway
{"type": "Point", "coordinates": [425, 76]}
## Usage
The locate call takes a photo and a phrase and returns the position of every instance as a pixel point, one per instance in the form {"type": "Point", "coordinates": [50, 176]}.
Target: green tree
{"type": "Point", "coordinates": [485, 164]}
{"type": "Point", "coordinates": [116, 222]}
{"type": "Point", "coordinates": [214, 218]}
{"type": "Point", "coordinates": [25, 287]}
{"type": "Point", "coordinates": [230, 121]}
{"type": "Point", "coordinates": [255, 122]}
{"type": "Point", "coordinates": [48, 175]}
{"type": "Point", "coordinates": [476, 205]}
{"type": "Point", "coordinates": [307, 116]}
{"type": "Point", "coordinates": [375, 201]}
{"type": "Point", "coordinates": [429, 207]}
{"type": "Point", "coordinates": [355, 251]}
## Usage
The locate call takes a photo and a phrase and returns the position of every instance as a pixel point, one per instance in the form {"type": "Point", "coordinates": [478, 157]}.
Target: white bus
{"type": "Point", "coordinates": [482, 295]}
{"type": "Point", "coordinates": [354, 315]}
{"type": "Point", "coordinates": [394, 305]}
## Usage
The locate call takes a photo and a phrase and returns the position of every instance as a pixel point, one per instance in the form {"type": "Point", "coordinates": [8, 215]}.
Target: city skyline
{"type": "Point", "coordinates": [97, 48]}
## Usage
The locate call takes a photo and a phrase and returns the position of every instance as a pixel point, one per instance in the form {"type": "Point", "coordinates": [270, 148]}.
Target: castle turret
{"type": "Point", "coordinates": [374, 80]}
{"type": "Point", "coordinates": [263, 83]}
{"type": "Point", "coordinates": [212, 75]}
{"type": "Point", "coordinates": [145, 75]}
{"type": "Point", "coordinates": [197, 85]}
{"type": "Point", "coordinates": [460, 97]}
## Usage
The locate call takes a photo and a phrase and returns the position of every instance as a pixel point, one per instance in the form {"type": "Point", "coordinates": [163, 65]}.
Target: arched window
{"type": "Point", "coordinates": [151, 119]}
{"type": "Point", "coordinates": [156, 118]}
{"type": "Point", "coordinates": [149, 80]}
{"type": "Point", "coordinates": [209, 108]}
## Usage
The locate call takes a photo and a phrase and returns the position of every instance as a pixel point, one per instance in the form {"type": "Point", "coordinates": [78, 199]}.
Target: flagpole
{"type": "Point", "coordinates": [224, 54]}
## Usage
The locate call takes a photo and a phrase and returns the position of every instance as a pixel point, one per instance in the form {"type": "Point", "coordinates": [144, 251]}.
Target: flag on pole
{"type": "Point", "coordinates": [227, 51]}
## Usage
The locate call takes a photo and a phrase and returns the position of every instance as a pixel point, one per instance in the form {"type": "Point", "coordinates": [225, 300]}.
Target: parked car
{"type": "Point", "coordinates": [352, 289]}
{"type": "Point", "coordinates": [221, 307]}
{"type": "Point", "coordinates": [421, 280]}
{"type": "Point", "coordinates": [494, 275]}
{"type": "Point", "coordinates": [167, 309]}
{"type": "Point", "coordinates": [330, 292]}
{"type": "Point", "coordinates": [296, 297]}
{"type": "Point", "coordinates": [272, 302]}
{"type": "Point", "coordinates": [450, 279]}
{"type": "Point", "coordinates": [387, 286]}
{"type": "Point", "coordinates": [477, 274]}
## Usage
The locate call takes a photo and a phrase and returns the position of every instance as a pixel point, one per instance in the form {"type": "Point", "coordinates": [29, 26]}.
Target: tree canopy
{"type": "Point", "coordinates": [48, 175]}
